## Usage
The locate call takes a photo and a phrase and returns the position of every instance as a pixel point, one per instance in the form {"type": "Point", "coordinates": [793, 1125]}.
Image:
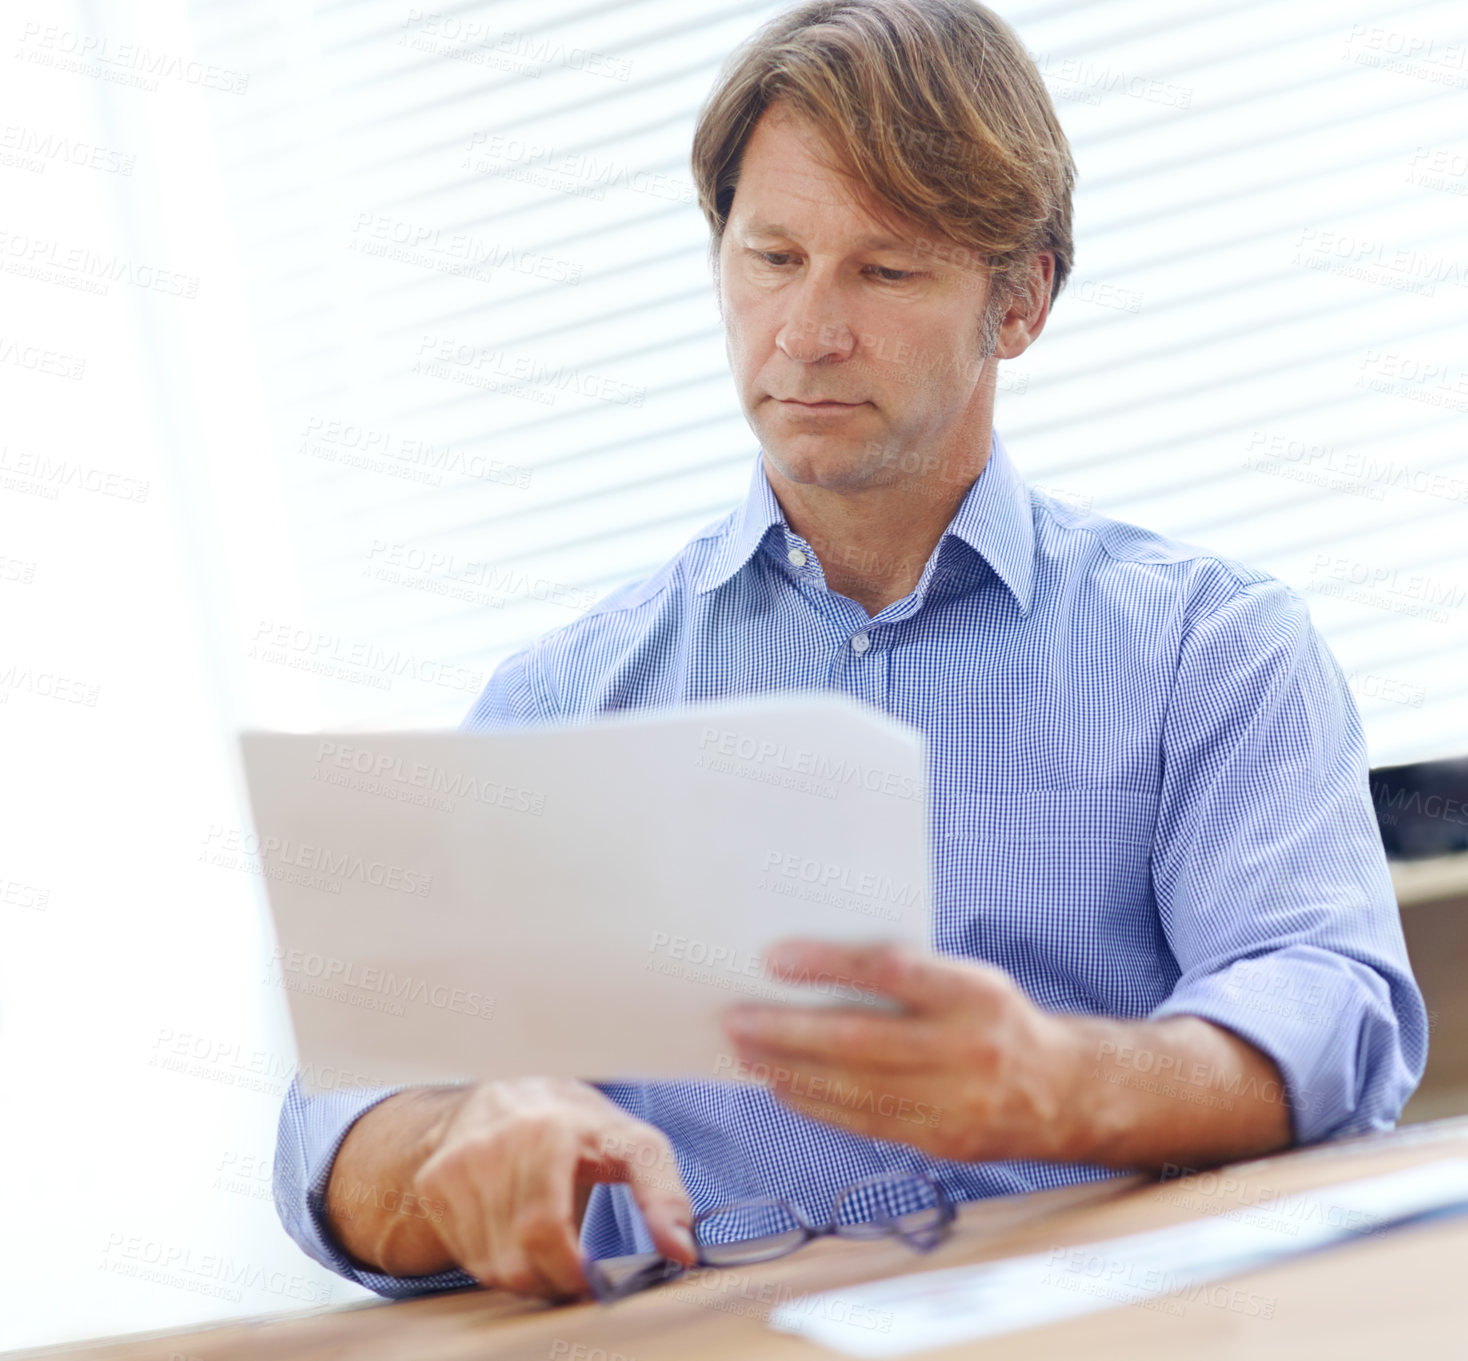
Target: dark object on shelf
{"type": "Point", "coordinates": [1422, 809]}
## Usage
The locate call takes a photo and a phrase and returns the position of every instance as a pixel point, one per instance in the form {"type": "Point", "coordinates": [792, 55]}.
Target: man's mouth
{"type": "Point", "coordinates": [820, 404]}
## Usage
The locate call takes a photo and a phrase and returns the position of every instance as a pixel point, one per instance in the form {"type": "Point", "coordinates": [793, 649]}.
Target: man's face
{"type": "Point", "coordinates": [823, 304]}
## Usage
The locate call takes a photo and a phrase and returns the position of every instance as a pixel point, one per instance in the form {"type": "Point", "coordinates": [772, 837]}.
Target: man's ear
{"type": "Point", "coordinates": [1028, 309]}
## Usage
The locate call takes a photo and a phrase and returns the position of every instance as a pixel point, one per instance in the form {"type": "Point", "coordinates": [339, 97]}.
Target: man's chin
{"type": "Point", "coordinates": [834, 464]}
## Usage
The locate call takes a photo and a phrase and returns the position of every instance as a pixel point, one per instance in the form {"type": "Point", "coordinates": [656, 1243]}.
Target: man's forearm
{"type": "Point", "coordinates": [1181, 1091]}
{"type": "Point", "coordinates": [374, 1212]}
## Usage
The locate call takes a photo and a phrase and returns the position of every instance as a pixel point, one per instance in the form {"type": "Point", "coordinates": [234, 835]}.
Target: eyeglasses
{"type": "Point", "coordinates": [904, 1205]}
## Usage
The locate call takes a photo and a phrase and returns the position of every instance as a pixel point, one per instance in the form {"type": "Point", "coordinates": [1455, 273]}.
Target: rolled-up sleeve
{"type": "Point", "coordinates": [313, 1126]}
{"type": "Point", "coordinates": [1268, 868]}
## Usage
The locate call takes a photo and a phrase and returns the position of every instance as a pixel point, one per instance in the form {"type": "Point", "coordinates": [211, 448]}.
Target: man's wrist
{"type": "Point", "coordinates": [1093, 1115]}
{"type": "Point", "coordinates": [373, 1207]}
{"type": "Point", "coordinates": [1059, 1111]}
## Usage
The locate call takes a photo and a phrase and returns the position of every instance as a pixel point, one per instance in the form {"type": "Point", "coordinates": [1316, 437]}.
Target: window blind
{"type": "Point", "coordinates": [495, 376]}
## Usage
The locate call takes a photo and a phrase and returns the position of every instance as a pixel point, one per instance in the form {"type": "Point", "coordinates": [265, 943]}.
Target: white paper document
{"type": "Point", "coordinates": [1174, 1268]}
{"type": "Point", "coordinates": [579, 902]}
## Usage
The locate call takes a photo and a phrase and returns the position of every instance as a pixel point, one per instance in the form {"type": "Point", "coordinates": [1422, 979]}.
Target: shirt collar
{"type": "Point", "coordinates": [752, 521]}
{"type": "Point", "coordinates": [994, 519]}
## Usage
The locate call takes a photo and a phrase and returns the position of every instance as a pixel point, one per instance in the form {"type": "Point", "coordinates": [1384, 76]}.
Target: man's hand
{"type": "Point", "coordinates": [506, 1169]}
{"type": "Point", "coordinates": [972, 1070]}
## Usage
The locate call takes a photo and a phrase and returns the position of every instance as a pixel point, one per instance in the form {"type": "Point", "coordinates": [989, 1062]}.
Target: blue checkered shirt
{"type": "Point", "coordinates": [1148, 798]}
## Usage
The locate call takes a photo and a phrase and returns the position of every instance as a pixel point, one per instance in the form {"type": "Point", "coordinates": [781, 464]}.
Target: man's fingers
{"type": "Point", "coordinates": [468, 1196]}
{"type": "Point", "coordinates": [898, 1043]}
{"type": "Point", "coordinates": [921, 983]}
{"type": "Point", "coordinates": [505, 1223]}
{"type": "Point", "coordinates": [669, 1219]}
{"type": "Point", "coordinates": [542, 1208]}
{"type": "Point", "coordinates": [644, 1159]}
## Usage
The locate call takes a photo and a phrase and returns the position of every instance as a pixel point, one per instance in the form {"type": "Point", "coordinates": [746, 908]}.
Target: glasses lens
{"type": "Point", "coordinates": [908, 1205]}
{"type": "Point", "coordinates": [748, 1231]}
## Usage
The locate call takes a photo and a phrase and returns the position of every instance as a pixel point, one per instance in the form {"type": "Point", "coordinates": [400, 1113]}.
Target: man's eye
{"type": "Point", "coordinates": [890, 276]}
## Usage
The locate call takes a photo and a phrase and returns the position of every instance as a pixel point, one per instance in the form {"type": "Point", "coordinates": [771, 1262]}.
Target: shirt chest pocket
{"type": "Point", "coordinates": [1054, 887]}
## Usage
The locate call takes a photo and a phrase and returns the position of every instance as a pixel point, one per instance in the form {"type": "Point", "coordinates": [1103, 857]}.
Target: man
{"type": "Point", "coordinates": [1165, 926]}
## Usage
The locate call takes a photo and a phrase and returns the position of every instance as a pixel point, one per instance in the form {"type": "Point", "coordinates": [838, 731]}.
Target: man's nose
{"type": "Point", "coordinates": [815, 327]}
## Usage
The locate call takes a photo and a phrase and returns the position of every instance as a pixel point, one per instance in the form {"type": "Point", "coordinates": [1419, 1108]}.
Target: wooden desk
{"type": "Point", "coordinates": [1400, 1293]}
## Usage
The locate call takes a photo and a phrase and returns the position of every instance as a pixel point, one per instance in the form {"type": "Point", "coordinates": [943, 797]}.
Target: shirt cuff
{"type": "Point", "coordinates": [1326, 1021]}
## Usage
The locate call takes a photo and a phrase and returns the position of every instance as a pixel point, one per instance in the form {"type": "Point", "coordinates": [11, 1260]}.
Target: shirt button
{"type": "Point", "coordinates": [860, 643]}
{"type": "Point", "coordinates": [797, 558]}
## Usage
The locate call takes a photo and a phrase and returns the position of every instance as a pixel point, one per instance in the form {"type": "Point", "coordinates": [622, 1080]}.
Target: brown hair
{"type": "Point", "coordinates": [933, 105]}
